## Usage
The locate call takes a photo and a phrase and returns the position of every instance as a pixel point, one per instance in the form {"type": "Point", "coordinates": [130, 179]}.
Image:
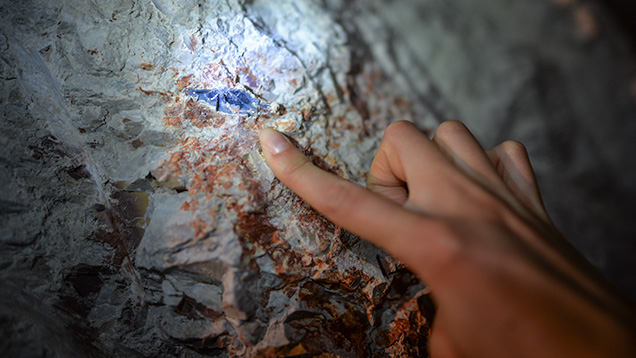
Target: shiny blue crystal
{"type": "Point", "coordinates": [226, 100]}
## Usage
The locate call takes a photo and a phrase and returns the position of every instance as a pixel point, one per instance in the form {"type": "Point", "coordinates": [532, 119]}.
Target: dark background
{"type": "Point", "coordinates": [624, 12]}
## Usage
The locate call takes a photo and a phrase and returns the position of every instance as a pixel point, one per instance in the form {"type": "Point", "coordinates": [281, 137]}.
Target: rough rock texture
{"type": "Point", "coordinates": [140, 219]}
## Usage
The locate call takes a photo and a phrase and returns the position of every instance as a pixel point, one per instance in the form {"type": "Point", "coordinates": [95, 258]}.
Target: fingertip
{"type": "Point", "coordinates": [285, 160]}
{"type": "Point", "coordinates": [273, 141]}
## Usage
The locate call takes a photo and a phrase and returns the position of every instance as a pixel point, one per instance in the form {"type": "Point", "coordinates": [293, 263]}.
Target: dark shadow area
{"type": "Point", "coordinates": [624, 12]}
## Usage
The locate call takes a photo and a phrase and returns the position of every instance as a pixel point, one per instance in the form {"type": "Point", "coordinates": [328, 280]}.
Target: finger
{"type": "Point", "coordinates": [512, 164]}
{"type": "Point", "coordinates": [358, 210]}
{"type": "Point", "coordinates": [405, 155]}
{"type": "Point", "coordinates": [458, 143]}
{"type": "Point", "coordinates": [382, 180]}
{"type": "Point", "coordinates": [440, 344]}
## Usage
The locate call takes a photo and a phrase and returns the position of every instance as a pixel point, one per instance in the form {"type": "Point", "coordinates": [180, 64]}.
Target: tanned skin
{"type": "Point", "coordinates": [471, 224]}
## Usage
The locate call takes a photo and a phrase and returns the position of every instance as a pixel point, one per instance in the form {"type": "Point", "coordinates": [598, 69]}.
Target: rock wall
{"type": "Point", "coordinates": [140, 219]}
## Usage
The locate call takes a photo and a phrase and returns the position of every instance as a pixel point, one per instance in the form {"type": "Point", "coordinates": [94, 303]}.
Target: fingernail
{"type": "Point", "coordinates": [273, 141]}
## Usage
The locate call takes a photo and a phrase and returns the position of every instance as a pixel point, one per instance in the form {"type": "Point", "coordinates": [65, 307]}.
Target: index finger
{"type": "Point", "coordinates": [351, 206]}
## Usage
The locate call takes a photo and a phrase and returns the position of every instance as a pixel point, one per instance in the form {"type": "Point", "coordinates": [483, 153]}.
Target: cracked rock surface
{"type": "Point", "coordinates": [138, 217]}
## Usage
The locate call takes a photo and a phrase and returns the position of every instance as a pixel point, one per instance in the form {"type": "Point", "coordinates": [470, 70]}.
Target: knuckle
{"type": "Point", "coordinates": [450, 128]}
{"type": "Point", "coordinates": [513, 147]}
{"type": "Point", "coordinates": [453, 250]}
{"type": "Point", "coordinates": [394, 135]}
{"type": "Point", "coordinates": [395, 131]}
{"type": "Point", "coordinates": [435, 248]}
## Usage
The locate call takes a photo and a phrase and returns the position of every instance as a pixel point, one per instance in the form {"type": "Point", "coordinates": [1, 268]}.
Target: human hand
{"type": "Point", "coordinates": [471, 224]}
